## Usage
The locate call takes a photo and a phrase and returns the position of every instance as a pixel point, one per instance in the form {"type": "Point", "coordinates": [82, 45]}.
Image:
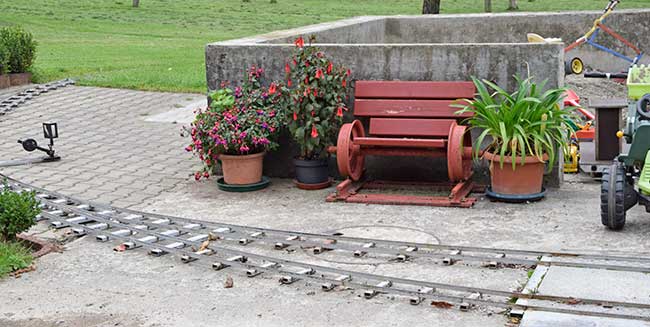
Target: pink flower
{"type": "Point", "coordinates": [314, 131]}
{"type": "Point", "coordinates": [188, 148]}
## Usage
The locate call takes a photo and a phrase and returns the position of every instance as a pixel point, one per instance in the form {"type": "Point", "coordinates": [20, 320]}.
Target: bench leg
{"type": "Point", "coordinates": [460, 191]}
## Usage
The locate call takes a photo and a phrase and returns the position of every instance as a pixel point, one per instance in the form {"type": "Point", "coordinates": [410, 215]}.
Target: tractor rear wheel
{"type": "Point", "coordinates": [617, 195]}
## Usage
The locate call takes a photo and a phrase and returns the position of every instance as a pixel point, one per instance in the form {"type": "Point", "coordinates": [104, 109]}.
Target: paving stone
{"type": "Point", "coordinates": [109, 152]}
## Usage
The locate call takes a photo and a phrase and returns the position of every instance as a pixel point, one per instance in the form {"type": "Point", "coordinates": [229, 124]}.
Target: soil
{"type": "Point", "coordinates": [587, 88]}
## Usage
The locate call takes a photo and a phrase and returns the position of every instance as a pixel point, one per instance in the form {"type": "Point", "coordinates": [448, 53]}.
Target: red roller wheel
{"type": "Point", "coordinates": [458, 165]}
{"type": "Point", "coordinates": [348, 157]}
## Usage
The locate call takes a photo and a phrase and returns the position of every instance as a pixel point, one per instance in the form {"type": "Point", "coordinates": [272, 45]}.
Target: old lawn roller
{"type": "Point", "coordinates": [408, 119]}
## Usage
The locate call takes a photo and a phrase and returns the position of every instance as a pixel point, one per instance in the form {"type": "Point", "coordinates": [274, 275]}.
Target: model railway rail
{"type": "Point", "coordinates": [14, 101]}
{"type": "Point", "coordinates": [190, 241]}
{"type": "Point", "coordinates": [236, 235]}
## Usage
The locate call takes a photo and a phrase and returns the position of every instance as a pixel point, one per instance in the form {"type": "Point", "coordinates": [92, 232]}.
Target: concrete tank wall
{"type": "Point", "coordinates": [226, 61]}
{"type": "Point", "coordinates": [634, 25]}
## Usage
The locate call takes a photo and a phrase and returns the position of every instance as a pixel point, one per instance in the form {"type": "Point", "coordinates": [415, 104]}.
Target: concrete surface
{"type": "Point", "coordinates": [133, 289]}
{"type": "Point", "coordinates": [550, 319]}
{"type": "Point", "coordinates": [103, 134]}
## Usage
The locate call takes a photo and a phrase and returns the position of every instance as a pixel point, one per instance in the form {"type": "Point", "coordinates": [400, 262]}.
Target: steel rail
{"type": "Point", "coordinates": [114, 223]}
{"type": "Point", "coordinates": [369, 277]}
{"type": "Point", "coordinates": [381, 247]}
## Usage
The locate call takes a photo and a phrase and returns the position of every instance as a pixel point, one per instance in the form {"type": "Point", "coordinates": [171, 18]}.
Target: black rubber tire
{"type": "Point", "coordinates": [616, 197]}
{"type": "Point", "coordinates": [570, 69]}
{"type": "Point", "coordinates": [642, 107]}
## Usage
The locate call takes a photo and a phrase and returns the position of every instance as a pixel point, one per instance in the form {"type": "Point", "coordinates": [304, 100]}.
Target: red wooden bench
{"type": "Point", "coordinates": [406, 119]}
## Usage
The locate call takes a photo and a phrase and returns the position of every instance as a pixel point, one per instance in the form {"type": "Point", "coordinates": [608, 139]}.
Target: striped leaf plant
{"type": "Point", "coordinates": [526, 122]}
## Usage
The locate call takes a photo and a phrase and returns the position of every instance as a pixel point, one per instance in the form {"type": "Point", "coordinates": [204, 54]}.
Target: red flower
{"type": "Point", "coordinates": [315, 92]}
{"type": "Point", "coordinates": [206, 174]}
{"type": "Point", "coordinates": [287, 68]}
{"type": "Point", "coordinates": [307, 80]}
{"type": "Point", "coordinates": [272, 89]}
{"type": "Point", "coordinates": [289, 83]}
{"type": "Point", "coordinates": [329, 68]}
{"type": "Point", "coordinates": [339, 112]}
{"type": "Point", "coordinates": [319, 73]}
{"type": "Point", "coordinates": [300, 42]}
{"type": "Point", "coordinates": [197, 175]}
{"type": "Point", "coordinates": [344, 83]}
{"type": "Point", "coordinates": [314, 131]}
{"type": "Point", "coordinates": [349, 72]}
{"type": "Point", "coordinates": [295, 116]}
{"type": "Point", "coordinates": [188, 148]}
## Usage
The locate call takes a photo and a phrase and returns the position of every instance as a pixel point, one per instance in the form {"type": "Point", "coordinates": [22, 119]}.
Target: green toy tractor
{"type": "Point", "coordinates": [627, 181]}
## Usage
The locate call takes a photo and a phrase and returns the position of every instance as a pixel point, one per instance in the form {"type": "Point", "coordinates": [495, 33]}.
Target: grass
{"type": "Point", "coordinates": [13, 256]}
{"type": "Point", "coordinates": [159, 46]}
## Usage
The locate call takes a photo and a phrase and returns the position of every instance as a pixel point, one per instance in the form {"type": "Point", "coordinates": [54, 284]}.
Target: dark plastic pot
{"type": "Point", "coordinates": [311, 171]}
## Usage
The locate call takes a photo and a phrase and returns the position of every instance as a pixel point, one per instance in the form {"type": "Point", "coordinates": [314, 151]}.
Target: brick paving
{"type": "Point", "coordinates": [110, 153]}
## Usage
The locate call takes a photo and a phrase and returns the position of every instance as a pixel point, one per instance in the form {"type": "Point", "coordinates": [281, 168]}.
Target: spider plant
{"type": "Point", "coordinates": [523, 123]}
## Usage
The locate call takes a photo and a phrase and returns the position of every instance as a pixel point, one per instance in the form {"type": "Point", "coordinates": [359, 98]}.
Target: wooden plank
{"type": "Point", "coordinates": [413, 90]}
{"type": "Point", "coordinates": [404, 127]}
{"type": "Point", "coordinates": [401, 142]}
{"type": "Point", "coordinates": [407, 108]}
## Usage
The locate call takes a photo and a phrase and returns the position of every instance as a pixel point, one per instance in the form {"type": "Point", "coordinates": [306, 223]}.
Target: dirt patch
{"type": "Point", "coordinates": [38, 246]}
{"type": "Point", "coordinates": [587, 88]}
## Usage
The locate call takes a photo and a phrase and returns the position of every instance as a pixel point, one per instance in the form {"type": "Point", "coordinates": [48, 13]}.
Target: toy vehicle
{"type": "Point", "coordinates": [627, 181]}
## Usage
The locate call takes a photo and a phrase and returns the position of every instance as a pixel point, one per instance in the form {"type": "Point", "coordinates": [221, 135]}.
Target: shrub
{"type": "Point", "coordinates": [20, 46]}
{"type": "Point", "coordinates": [4, 60]}
{"type": "Point", "coordinates": [17, 213]}
{"type": "Point", "coordinates": [315, 104]}
{"type": "Point", "coordinates": [242, 121]}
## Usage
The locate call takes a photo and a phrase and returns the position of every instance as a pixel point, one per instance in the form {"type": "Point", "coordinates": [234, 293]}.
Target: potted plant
{"type": "Point", "coordinates": [20, 49]}
{"type": "Point", "coordinates": [315, 98]}
{"type": "Point", "coordinates": [525, 128]}
{"type": "Point", "coordinates": [237, 129]}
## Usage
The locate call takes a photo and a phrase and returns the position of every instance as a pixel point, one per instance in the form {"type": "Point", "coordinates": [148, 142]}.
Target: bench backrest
{"type": "Point", "coordinates": [410, 108]}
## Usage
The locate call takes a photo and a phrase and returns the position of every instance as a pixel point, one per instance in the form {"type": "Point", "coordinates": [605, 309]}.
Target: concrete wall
{"type": "Point", "coordinates": [512, 28]}
{"type": "Point", "coordinates": [226, 61]}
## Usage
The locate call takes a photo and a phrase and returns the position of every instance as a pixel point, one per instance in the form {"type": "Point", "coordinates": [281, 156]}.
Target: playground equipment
{"type": "Point", "coordinates": [406, 118]}
{"type": "Point", "coordinates": [627, 181]}
{"type": "Point", "coordinates": [576, 66]}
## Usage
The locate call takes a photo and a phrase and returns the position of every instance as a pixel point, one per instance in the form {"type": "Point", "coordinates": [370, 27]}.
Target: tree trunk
{"type": "Point", "coordinates": [136, 3]}
{"type": "Point", "coordinates": [431, 7]}
{"type": "Point", "coordinates": [513, 5]}
{"type": "Point", "coordinates": [488, 5]}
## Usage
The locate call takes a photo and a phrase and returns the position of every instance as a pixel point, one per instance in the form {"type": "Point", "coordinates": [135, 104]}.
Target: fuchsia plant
{"type": "Point", "coordinates": [240, 121]}
{"type": "Point", "coordinates": [314, 99]}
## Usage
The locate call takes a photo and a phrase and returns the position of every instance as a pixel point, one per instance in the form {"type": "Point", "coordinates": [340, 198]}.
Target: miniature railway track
{"type": "Point", "coordinates": [219, 246]}
{"type": "Point", "coordinates": [12, 102]}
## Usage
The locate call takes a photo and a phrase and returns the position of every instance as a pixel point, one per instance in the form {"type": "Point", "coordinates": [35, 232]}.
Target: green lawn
{"type": "Point", "coordinates": [13, 256]}
{"type": "Point", "coordinates": [159, 46]}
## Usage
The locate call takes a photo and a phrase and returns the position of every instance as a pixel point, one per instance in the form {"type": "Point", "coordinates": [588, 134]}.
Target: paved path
{"type": "Point", "coordinates": [110, 152]}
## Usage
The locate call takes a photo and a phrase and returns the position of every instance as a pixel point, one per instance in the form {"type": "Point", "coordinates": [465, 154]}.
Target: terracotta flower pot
{"type": "Point", "coordinates": [242, 169]}
{"type": "Point", "coordinates": [523, 180]}
{"type": "Point", "coordinates": [5, 81]}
